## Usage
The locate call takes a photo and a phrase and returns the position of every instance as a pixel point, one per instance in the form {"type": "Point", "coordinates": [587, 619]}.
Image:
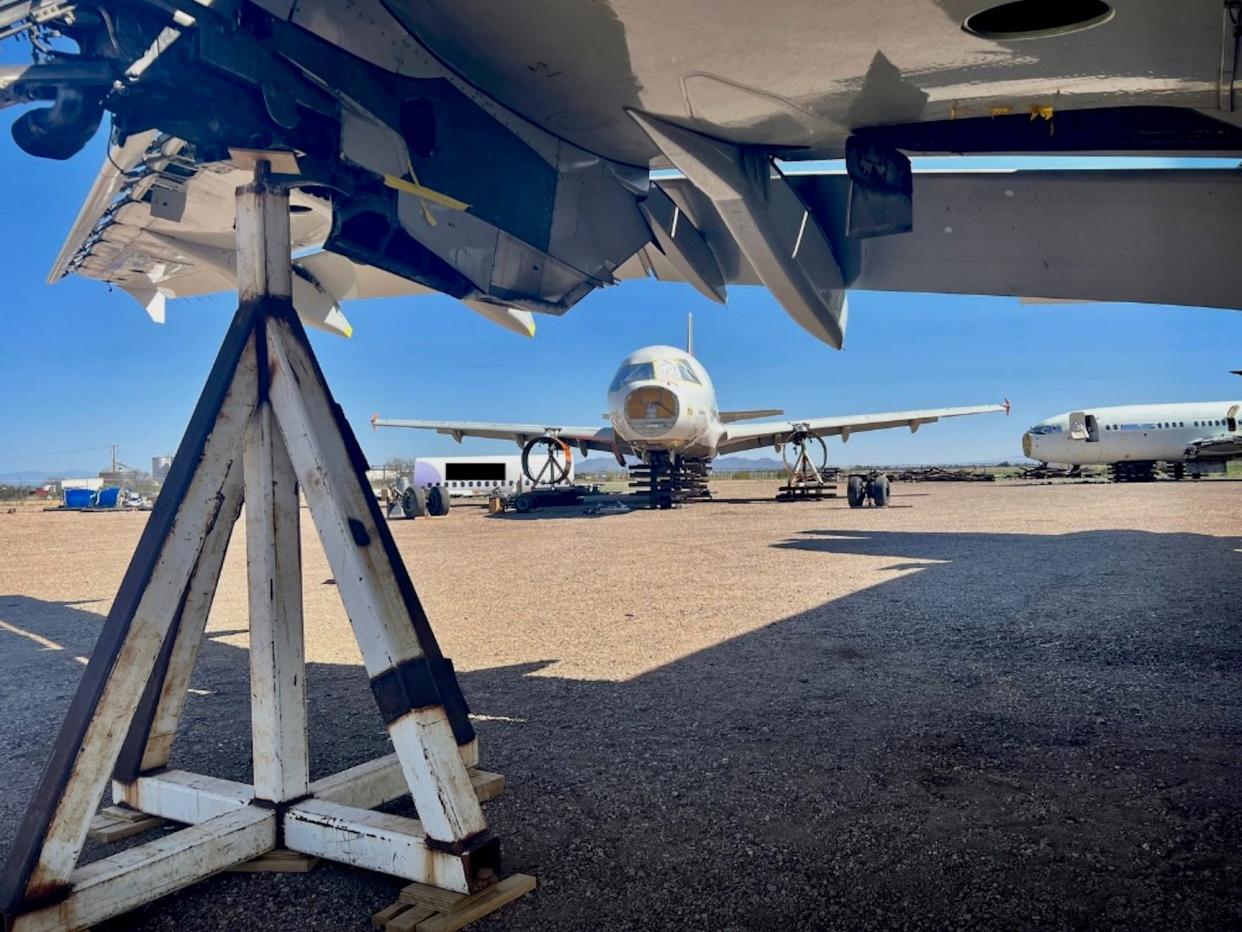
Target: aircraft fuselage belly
{"type": "Point", "coordinates": [802, 73]}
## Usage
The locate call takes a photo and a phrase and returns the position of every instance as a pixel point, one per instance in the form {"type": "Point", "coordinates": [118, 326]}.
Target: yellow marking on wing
{"type": "Point", "coordinates": [426, 194]}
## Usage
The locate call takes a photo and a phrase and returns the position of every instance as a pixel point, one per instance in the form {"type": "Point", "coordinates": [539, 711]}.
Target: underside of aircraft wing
{"type": "Point", "coordinates": [774, 433]}
{"type": "Point", "coordinates": [1148, 236]}
{"type": "Point", "coordinates": [159, 225]}
{"type": "Point", "coordinates": [1215, 448]}
{"type": "Point", "coordinates": [471, 150]}
{"type": "Point", "coordinates": [585, 438]}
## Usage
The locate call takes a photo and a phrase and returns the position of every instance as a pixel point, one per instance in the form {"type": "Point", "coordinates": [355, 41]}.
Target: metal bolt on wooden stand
{"type": "Point", "coordinates": [265, 426]}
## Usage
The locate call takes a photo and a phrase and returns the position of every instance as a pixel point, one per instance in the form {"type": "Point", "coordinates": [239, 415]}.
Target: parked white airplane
{"type": "Point", "coordinates": [1197, 436]}
{"type": "Point", "coordinates": [663, 410]}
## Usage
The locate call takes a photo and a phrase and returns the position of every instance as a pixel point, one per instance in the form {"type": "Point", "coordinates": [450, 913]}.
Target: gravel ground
{"type": "Point", "coordinates": [997, 706]}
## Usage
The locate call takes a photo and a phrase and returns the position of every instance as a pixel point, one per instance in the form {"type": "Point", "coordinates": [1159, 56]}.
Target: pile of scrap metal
{"type": "Point", "coordinates": [941, 474]}
{"type": "Point", "coordinates": [1047, 471]}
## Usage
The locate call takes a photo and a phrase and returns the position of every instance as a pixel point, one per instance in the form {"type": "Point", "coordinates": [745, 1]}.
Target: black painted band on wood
{"type": "Point", "coordinates": [451, 696]}
{"type": "Point", "coordinates": [479, 853]}
{"type": "Point", "coordinates": [401, 689]}
{"type": "Point", "coordinates": [36, 822]}
{"type": "Point", "coordinates": [129, 761]}
{"type": "Point", "coordinates": [134, 750]}
{"type": "Point", "coordinates": [452, 699]}
{"type": "Point", "coordinates": [50, 898]}
{"type": "Point", "coordinates": [281, 809]}
{"type": "Point", "coordinates": [359, 532]}
{"type": "Point", "coordinates": [462, 845]}
{"type": "Point", "coordinates": [263, 371]}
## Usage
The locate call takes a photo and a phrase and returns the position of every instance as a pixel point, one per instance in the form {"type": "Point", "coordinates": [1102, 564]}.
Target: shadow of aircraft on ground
{"type": "Point", "coordinates": [1020, 731]}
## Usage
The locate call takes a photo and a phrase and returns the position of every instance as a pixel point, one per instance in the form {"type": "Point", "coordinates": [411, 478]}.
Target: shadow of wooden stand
{"type": "Point", "coordinates": [265, 427]}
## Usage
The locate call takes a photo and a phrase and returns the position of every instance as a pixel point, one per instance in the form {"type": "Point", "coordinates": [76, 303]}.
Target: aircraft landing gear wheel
{"type": "Point", "coordinates": [524, 503]}
{"type": "Point", "coordinates": [546, 461]}
{"type": "Point", "coordinates": [438, 501]}
{"type": "Point", "coordinates": [878, 491]}
{"type": "Point", "coordinates": [808, 463]}
{"type": "Point", "coordinates": [856, 491]}
{"type": "Point", "coordinates": [413, 502]}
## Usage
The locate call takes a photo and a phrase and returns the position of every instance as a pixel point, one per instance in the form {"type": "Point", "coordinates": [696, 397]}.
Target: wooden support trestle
{"type": "Point", "coordinates": [265, 428]}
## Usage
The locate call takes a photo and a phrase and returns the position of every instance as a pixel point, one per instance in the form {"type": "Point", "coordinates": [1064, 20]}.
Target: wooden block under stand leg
{"type": "Point", "coordinates": [389, 912]}
{"type": "Point", "coordinates": [480, 904]}
{"type": "Point", "coordinates": [431, 909]}
{"type": "Point", "coordinates": [116, 822]}
{"type": "Point", "coordinates": [410, 919]}
{"type": "Point", "coordinates": [398, 917]}
{"type": "Point", "coordinates": [278, 861]}
{"type": "Point", "coordinates": [486, 785]}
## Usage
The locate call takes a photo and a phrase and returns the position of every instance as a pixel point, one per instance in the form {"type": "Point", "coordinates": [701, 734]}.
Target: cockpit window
{"type": "Point", "coordinates": [666, 370]}
{"type": "Point", "coordinates": [677, 370]}
{"type": "Point", "coordinates": [1045, 429]}
{"type": "Point", "coordinates": [634, 372]}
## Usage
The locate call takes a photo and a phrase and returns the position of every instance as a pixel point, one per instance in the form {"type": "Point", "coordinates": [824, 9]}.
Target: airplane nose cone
{"type": "Point", "coordinates": [1028, 445]}
{"type": "Point", "coordinates": [651, 410]}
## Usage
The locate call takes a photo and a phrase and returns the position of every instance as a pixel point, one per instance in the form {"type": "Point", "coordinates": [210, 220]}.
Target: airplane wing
{"type": "Point", "coordinates": [1215, 448]}
{"type": "Point", "coordinates": [770, 433]}
{"type": "Point", "coordinates": [585, 438]}
{"type": "Point", "coordinates": [1045, 235]}
{"type": "Point", "coordinates": [471, 150]}
{"type": "Point", "coordinates": [728, 417]}
{"type": "Point", "coordinates": [159, 225]}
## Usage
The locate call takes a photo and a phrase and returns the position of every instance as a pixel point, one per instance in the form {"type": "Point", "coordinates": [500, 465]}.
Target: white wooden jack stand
{"type": "Point", "coordinates": [265, 426]}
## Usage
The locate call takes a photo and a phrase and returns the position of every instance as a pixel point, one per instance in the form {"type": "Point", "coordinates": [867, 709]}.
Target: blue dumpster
{"type": "Point", "coordinates": [79, 498]}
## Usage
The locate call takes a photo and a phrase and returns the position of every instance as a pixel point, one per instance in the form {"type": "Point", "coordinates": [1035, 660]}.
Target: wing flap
{"type": "Point", "coordinates": [770, 433]}
{"type": "Point", "coordinates": [119, 238]}
{"type": "Point", "coordinates": [587, 438]}
{"type": "Point", "coordinates": [1064, 236]}
{"type": "Point", "coordinates": [730, 417]}
{"type": "Point", "coordinates": [1224, 448]}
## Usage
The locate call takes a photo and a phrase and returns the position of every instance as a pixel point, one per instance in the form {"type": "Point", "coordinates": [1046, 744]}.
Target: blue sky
{"type": "Point", "coordinates": [82, 367]}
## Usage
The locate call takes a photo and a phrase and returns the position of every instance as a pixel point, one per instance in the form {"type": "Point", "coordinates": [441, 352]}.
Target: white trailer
{"type": "Point", "coordinates": [468, 476]}
{"type": "Point", "coordinates": [439, 479]}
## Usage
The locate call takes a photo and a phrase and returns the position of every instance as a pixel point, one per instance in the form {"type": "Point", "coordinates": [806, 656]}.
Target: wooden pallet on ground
{"type": "Point", "coordinates": [113, 823]}
{"type": "Point", "coordinates": [278, 861]}
{"type": "Point", "coordinates": [422, 908]}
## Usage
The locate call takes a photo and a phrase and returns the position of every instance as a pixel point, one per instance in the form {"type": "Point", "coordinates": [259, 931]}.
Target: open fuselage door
{"type": "Point", "coordinates": [1083, 426]}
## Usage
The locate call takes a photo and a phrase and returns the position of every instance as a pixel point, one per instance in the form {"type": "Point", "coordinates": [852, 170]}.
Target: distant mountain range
{"type": "Point", "coordinates": [36, 477]}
